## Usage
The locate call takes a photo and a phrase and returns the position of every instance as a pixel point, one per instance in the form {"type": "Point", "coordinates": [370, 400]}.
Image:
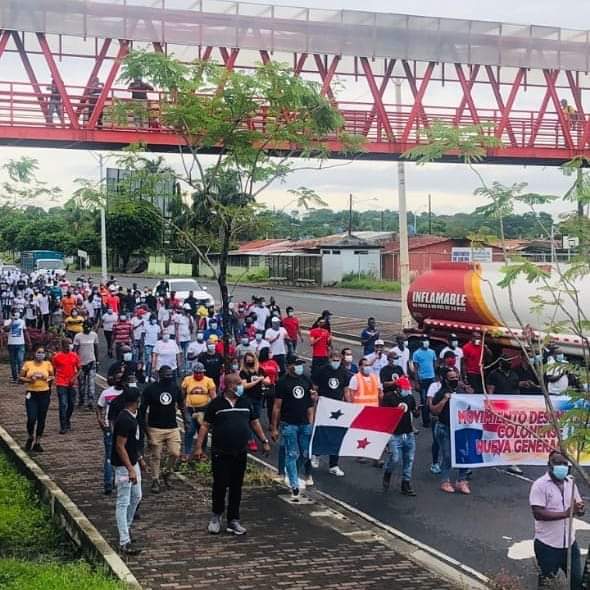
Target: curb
{"type": "Point", "coordinates": [81, 531]}
{"type": "Point", "coordinates": [455, 572]}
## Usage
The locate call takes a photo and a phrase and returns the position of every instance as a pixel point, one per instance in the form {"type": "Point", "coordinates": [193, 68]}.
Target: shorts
{"type": "Point", "coordinates": [165, 437]}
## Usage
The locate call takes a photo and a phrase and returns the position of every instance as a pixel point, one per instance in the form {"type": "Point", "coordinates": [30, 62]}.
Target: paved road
{"type": "Point", "coordinates": [478, 530]}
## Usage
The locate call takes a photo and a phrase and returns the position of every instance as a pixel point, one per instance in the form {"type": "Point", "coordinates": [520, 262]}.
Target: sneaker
{"type": "Point", "coordinates": [315, 461]}
{"type": "Point", "coordinates": [336, 471]}
{"type": "Point", "coordinates": [301, 484]}
{"type": "Point", "coordinates": [463, 487]}
{"type": "Point", "coordinates": [63, 430]}
{"type": "Point", "coordinates": [38, 448]}
{"type": "Point", "coordinates": [407, 489]}
{"type": "Point", "coordinates": [28, 444]}
{"type": "Point", "coordinates": [214, 526]}
{"type": "Point", "coordinates": [308, 481]}
{"type": "Point", "coordinates": [108, 491]}
{"type": "Point", "coordinates": [286, 479]}
{"type": "Point", "coordinates": [447, 487]}
{"type": "Point", "coordinates": [156, 488]}
{"type": "Point", "coordinates": [386, 480]}
{"type": "Point", "coordinates": [515, 469]}
{"type": "Point", "coordinates": [236, 528]}
{"type": "Point", "coordinates": [129, 549]}
{"type": "Point", "coordinates": [166, 478]}
{"type": "Point", "coordinates": [252, 446]}
{"type": "Point", "coordinates": [435, 469]}
{"type": "Point", "coordinates": [295, 495]}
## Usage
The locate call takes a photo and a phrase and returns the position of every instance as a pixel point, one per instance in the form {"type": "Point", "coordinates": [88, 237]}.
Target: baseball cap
{"type": "Point", "coordinates": [379, 342]}
{"type": "Point", "coordinates": [294, 360]}
{"type": "Point", "coordinates": [198, 367]}
{"type": "Point", "coordinates": [404, 383]}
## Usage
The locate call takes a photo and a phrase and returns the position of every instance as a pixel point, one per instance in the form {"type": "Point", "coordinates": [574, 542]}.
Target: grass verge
{"type": "Point", "coordinates": [200, 473]}
{"type": "Point", "coordinates": [34, 553]}
{"type": "Point", "coordinates": [354, 281]}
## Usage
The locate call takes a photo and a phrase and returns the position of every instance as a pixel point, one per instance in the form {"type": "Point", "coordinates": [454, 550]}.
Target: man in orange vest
{"type": "Point", "coordinates": [365, 387]}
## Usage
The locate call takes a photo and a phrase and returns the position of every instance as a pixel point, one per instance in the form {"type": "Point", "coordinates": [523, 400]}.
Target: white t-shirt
{"type": "Point", "coordinates": [104, 401]}
{"type": "Point", "coordinates": [278, 346]}
{"type": "Point", "coordinates": [196, 348]}
{"type": "Point", "coordinates": [16, 332]}
{"type": "Point", "coordinates": [379, 363]}
{"type": "Point", "coordinates": [31, 310]}
{"type": "Point", "coordinates": [560, 386]}
{"type": "Point", "coordinates": [138, 327]}
{"type": "Point", "coordinates": [152, 332]}
{"type": "Point", "coordinates": [404, 357]}
{"type": "Point", "coordinates": [262, 344]}
{"type": "Point", "coordinates": [433, 389]}
{"type": "Point", "coordinates": [166, 352]}
{"type": "Point", "coordinates": [109, 320]}
{"type": "Point", "coordinates": [89, 308]}
{"type": "Point", "coordinates": [43, 303]}
{"type": "Point", "coordinates": [262, 314]}
{"type": "Point", "coordinates": [86, 343]}
{"type": "Point", "coordinates": [163, 314]}
{"type": "Point", "coordinates": [458, 355]}
{"type": "Point", "coordinates": [184, 327]}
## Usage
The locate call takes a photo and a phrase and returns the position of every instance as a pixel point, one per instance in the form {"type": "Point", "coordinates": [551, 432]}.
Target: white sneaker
{"type": "Point", "coordinates": [336, 471]}
{"type": "Point", "coordinates": [315, 461]}
{"type": "Point", "coordinates": [308, 481]}
{"type": "Point", "coordinates": [287, 483]}
{"type": "Point", "coordinates": [301, 484]}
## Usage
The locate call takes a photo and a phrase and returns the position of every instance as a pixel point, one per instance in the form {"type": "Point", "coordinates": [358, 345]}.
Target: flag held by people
{"type": "Point", "coordinates": [352, 430]}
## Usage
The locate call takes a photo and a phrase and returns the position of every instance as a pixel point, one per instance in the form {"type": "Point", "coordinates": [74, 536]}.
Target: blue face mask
{"type": "Point", "coordinates": [560, 357]}
{"type": "Point", "coordinates": [335, 365]}
{"type": "Point", "coordinates": [560, 471]}
{"type": "Point", "coordinates": [240, 390]}
{"type": "Point", "coordinates": [298, 370]}
{"type": "Point", "coordinates": [405, 392]}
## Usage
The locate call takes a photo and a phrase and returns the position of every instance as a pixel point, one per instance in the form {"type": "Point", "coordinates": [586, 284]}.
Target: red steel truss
{"type": "Point", "coordinates": [78, 116]}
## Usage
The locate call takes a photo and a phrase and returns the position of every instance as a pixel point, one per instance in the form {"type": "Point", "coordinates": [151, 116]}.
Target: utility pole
{"type": "Point", "coordinates": [103, 221]}
{"type": "Point", "coordinates": [404, 255]}
{"type": "Point", "coordinates": [382, 220]}
{"type": "Point", "coordinates": [350, 215]}
{"type": "Point", "coordinates": [429, 214]}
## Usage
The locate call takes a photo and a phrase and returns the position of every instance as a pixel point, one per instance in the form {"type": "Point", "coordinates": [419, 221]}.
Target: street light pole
{"type": "Point", "coordinates": [350, 215]}
{"type": "Point", "coordinates": [404, 254]}
{"type": "Point", "coordinates": [103, 222]}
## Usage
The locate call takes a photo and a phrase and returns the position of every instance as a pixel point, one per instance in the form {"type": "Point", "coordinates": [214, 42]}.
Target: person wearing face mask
{"type": "Point", "coordinates": [369, 336]}
{"type": "Point", "coordinates": [198, 390]}
{"type": "Point", "coordinates": [139, 322]}
{"type": "Point", "coordinates": [213, 363]}
{"type": "Point", "coordinates": [151, 336]}
{"type": "Point", "coordinates": [166, 353]}
{"type": "Point", "coordinates": [503, 380]}
{"type": "Point", "coordinates": [109, 319]}
{"type": "Point", "coordinates": [530, 368]}
{"type": "Point", "coordinates": [423, 366]}
{"type": "Point", "coordinates": [17, 336]}
{"type": "Point", "coordinates": [378, 359]}
{"type": "Point", "coordinates": [474, 358]}
{"type": "Point", "coordinates": [390, 373]}
{"type": "Point", "coordinates": [122, 334]}
{"type": "Point", "coordinates": [550, 499]}
{"type": "Point", "coordinates": [348, 362]}
{"type": "Point", "coordinates": [457, 351]}
{"type": "Point", "coordinates": [184, 324]}
{"type": "Point", "coordinates": [37, 374]}
{"type": "Point", "coordinates": [402, 445]}
{"type": "Point", "coordinates": [230, 417]}
{"type": "Point", "coordinates": [321, 341]}
{"type": "Point", "coordinates": [86, 345]}
{"type": "Point", "coordinates": [66, 364]}
{"type": "Point", "coordinates": [196, 347]}
{"type": "Point", "coordinates": [73, 324]}
{"type": "Point", "coordinates": [260, 341]}
{"type": "Point", "coordinates": [556, 376]}
{"type": "Point", "coordinates": [293, 414]}
{"type": "Point", "coordinates": [253, 381]}
{"type": "Point", "coordinates": [160, 402]}
{"type": "Point", "coordinates": [403, 352]}
{"type": "Point", "coordinates": [441, 407]}
{"type": "Point", "coordinates": [365, 387]}
{"type": "Point", "coordinates": [291, 323]}
{"type": "Point", "coordinates": [262, 314]}
{"type": "Point", "coordinates": [214, 329]}
{"type": "Point", "coordinates": [332, 381]}
{"type": "Point", "coordinates": [244, 347]}
{"type": "Point", "coordinates": [68, 302]}
{"type": "Point", "coordinates": [277, 336]}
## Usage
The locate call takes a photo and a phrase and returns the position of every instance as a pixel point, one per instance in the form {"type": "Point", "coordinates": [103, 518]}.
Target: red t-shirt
{"type": "Point", "coordinates": [66, 365]}
{"type": "Point", "coordinates": [320, 348]}
{"type": "Point", "coordinates": [291, 324]}
{"type": "Point", "coordinates": [219, 348]}
{"type": "Point", "coordinates": [270, 369]}
{"type": "Point", "coordinates": [122, 332]}
{"type": "Point", "coordinates": [113, 302]}
{"type": "Point", "coordinates": [472, 354]}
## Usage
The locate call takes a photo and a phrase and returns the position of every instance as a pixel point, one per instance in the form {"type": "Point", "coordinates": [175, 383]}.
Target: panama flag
{"type": "Point", "coordinates": [352, 430]}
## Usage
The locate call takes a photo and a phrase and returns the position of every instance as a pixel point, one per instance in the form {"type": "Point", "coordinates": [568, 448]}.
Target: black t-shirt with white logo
{"type": "Point", "coordinates": [230, 424]}
{"type": "Point", "coordinates": [331, 382]}
{"type": "Point", "coordinates": [160, 401]}
{"type": "Point", "coordinates": [296, 396]}
{"type": "Point", "coordinates": [126, 425]}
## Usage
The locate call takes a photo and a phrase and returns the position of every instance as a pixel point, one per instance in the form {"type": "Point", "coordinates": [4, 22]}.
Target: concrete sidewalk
{"type": "Point", "coordinates": [306, 546]}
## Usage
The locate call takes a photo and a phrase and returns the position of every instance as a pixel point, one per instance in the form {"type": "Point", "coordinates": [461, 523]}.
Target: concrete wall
{"type": "Point", "coordinates": [339, 262]}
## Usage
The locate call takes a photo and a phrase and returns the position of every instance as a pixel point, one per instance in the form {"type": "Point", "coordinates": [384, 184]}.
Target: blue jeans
{"type": "Point", "coordinates": [435, 450]}
{"type": "Point", "coordinates": [17, 358]}
{"type": "Point", "coordinates": [108, 468]}
{"type": "Point", "coordinates": [87, 384]}
{"type": "Point", "coordinates": [184, 349]}
{"type": "Point", "coordinates": [296, 437]}
{"type": "Point", "coordinates": [402, 449]}
{"type": "Point", "coordinates": [424, 385]}
{"type": "Point", "coordinates": [147, 360]}
{"type": "Point", "coordinates": [66, 396]}
{"type": "Point", "coordinates": [128, 499]}
{"type": "Point", "coordinates": [443, 436]}
{"type": "Point", "coordinates": [137, 350]}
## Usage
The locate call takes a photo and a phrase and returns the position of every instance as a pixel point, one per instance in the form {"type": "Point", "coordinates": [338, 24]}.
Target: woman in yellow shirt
{"type": "Point", "coordinates": [74, 324]}
{"type": "Point", "coordinates": [37, 375]}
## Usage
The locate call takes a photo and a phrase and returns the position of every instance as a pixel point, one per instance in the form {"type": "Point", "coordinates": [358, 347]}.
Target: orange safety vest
{"type": "Point", "coordinates": [367, 393]}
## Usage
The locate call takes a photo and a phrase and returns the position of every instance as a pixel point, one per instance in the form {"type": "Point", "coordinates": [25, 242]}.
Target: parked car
{"type": "Point", "coordinates": [182, 287]}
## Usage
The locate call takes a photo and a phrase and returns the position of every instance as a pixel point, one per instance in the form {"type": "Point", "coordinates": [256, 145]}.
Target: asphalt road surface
{"type": "Point", "coordinates": [491, 530]}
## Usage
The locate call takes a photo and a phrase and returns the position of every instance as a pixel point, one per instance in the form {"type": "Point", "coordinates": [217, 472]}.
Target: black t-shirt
{"type": "Point", "coordinates": [331, 382]}
{"type": "Point", "coordinates": [527, 374]}
{"type": "Point", "coordinates": [445, 416]}
{"type": "Point", "coordinates": [213, 364]}
{"type": "Point", "coordinates": [126, 425]}
{"type": "Point", "coordinates": [504, 383]}
{"type": "Point", "coordinates": [387, 373]}
{"type": "Point", "coordinates": [161, 400]}
{"type": "Point", "coordinates": [394, 399]}
{"type": "Point", "coordinates": [151, 302]}
{"type": "Point", "coordinates": [255, 392]}
{"type": "Point", "coordinates": [230, 424]}
{"type": "Point", "coordinates": [295, 393]}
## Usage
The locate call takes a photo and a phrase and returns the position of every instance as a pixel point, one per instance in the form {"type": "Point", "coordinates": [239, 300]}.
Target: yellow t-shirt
{"type": "Point", "coordinates": [195, 398]}
{"type": "Point", "coordinates": [44, 368]}
{"type": "Point", "coordinates": [74, 324]}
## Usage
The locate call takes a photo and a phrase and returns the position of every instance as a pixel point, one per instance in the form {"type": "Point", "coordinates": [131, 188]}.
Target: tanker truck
{"type": "Point", "coordinates": [462, 298]}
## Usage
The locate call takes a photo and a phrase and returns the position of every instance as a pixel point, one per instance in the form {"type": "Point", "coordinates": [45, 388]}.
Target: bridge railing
{"type": "Point", "coordinates": [21, 105]}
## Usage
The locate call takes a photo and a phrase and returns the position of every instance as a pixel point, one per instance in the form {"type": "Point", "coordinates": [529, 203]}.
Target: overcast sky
{"type": "Point", "coordinates": [373, 184]}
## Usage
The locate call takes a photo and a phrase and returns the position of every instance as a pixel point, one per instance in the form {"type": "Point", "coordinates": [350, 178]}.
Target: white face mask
{"type": "Point", "coordinates": [348, 358]}
{"type": "Point", "coordinates": [166, 337]}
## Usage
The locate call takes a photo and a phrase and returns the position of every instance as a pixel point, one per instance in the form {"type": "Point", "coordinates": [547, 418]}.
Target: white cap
{"type": "Point", "coordinates": [379, 343]}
